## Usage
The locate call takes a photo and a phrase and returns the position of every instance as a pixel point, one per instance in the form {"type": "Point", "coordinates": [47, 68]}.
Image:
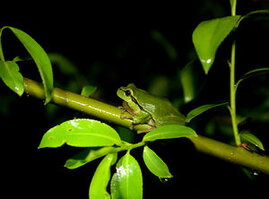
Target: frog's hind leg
{"type": "Point", "coordinates": [145, 128]}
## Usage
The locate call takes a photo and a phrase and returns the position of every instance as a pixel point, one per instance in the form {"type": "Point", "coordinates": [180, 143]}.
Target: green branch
{"type": "Point", "coordinates": [77, 102]}
{"type": "Point", "coordinates": [112, 114]}
{"type": "Point", "coordinates": [232, 107]}
{"type": "Point", "coordinates": [236, 155]}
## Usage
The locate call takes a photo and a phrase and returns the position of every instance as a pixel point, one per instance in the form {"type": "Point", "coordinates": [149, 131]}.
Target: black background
{"type": "Point", "coordinates": [117, 39]}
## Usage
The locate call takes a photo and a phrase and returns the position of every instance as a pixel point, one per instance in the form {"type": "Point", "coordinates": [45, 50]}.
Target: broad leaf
{"type": "Point", "coordinates": [87, 156]}
{"type": "Point", "coordinates": [199, 110]}
{"type": "Point", "coordinates": [41, 59]}
{"type": "Point", "coordinates": [127, 181]}
{"type": "Point", "coordinates": [249, 137]}
{"type": "Point", "coordinates": [169, 132]}
{"type": "Point", "coordinates": [80, 133]}
{"type": "Point", "coordinates": [208, 36]}
{"type": "Point", "coordinates": [98, 187]}
{"type": "Point", "coordinates": [9, 73]}
{"type": "Point", "coordinates": [155, 164]}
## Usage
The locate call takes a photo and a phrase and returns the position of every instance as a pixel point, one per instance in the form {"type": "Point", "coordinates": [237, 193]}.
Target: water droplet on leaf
{"type": "Point", "coordinates": [164, 180]}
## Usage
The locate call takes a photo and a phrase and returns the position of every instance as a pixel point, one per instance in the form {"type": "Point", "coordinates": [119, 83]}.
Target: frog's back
{"type": "Point", "coordinates": [170, 115]}
{"type": "Point", "coordinates": [165, 113]}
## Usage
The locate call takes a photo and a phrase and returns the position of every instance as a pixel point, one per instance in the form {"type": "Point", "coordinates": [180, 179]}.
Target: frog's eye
{"type": "Point", "coordinates": [128, 93]}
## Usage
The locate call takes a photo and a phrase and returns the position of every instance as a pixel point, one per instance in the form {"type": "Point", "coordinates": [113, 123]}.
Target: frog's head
{"type": "Point", "coordinates": [127, 93]}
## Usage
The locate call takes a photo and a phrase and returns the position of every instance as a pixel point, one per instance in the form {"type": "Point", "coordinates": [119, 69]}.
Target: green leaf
{"type": "Point", "coordinates": [249, 137]}
{"type": "Point", "coordinates": [88, 90]}
{"type": "Point", "coordinates": [40, 58]}
{"type": "Point", "coordinates": [199, 110]}
{"type": "Point", "coordinates": [252, 73]}
{"type": "Point", "coordinates": [98, 186]}
{"type": "Point", "coordinates": [87, 156]}
{"type": "Point", "coordinates": [187, 80]}
{"type": "Point", "coordinates": [208, 36]}
{"type": "Point", "coordinates": [127, 181]}
{"type": "Point", "coordinates": [80, 133]}
{"type": "Point", "coordinates": [78, 160]}
{"type": "Point", "coordinates": [169, 132]}
{"type": "Point", "coordinates": [155, 164]}
{"type": "Point", "coordinates": [9, 72]}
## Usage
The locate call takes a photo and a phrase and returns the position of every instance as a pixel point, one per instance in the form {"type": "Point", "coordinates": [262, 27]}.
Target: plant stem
{"type": "Point", "coordinates": [87, 105]}
{"type": "Point", "coordinates": [233, 7]}
{"type": "Point", "coordinates": [130, 146]}
{"type": "Point", "coordinates": [232, 107]}
{"type": "Point", "coordinates": [233, 97]}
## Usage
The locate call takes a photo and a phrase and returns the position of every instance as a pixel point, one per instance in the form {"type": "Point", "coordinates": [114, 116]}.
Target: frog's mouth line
{"type": "Point", "coordinates": [136, 102]}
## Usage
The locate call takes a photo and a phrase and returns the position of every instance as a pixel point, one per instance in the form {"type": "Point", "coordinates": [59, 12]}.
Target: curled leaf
{"type": "Point", "coordinates": [9, 73]}
{"type": "Point", "coordinates": [40, 58]}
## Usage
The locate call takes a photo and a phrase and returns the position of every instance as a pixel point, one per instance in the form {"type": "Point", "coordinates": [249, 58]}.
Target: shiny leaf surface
{"type": "Point", "coordinates": [169, 132]}
{"type": "Point", "coordinates": [155, 164]}
{"type": "Point", "coordinates": [9, 73]}
{"type": "Point", "coordinates": [98, 186]}
{"type": "Point", "coordinates": [208, 36]}
{"type": "Point", "coordinates": [80, 133]}
{"type": "Point", "coordinates": [127, 181]}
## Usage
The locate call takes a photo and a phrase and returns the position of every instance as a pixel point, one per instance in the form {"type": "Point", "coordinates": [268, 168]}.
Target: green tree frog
{"type": "Point", "coordinates": [148, 109]}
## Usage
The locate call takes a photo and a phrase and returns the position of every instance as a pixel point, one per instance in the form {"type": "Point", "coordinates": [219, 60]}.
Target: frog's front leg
{"type": "Point", "coordinates": [141, 117]}
{"type": "Point", "coordinates": [126, 111]}
{"type": "Point", "coordinates": [137, 117]}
